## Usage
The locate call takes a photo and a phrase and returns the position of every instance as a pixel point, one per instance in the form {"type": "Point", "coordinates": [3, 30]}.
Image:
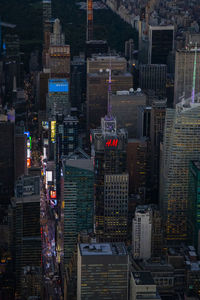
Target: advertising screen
{"type": "Point", "coordinates": [58, 86]}
{"type": "Point", "coordinates": [53, 194]}
{"type": "Point", "coordinates": [28, 162]}
{"type": "Point", "coordinates": [53, 131]}
{"type": "Point", "coordinates": [45, 125]}
{"type": "Point", "coordinates": [49, 176]}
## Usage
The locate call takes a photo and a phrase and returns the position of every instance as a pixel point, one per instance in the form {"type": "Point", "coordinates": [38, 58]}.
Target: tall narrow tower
{"type": "Point", "coordinates": [46, 14]}
{"type": "Point", "coordinates": [89, 20]}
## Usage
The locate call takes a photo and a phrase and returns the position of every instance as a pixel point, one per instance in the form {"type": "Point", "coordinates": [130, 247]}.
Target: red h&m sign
{"type": "Point", "coordinates": [112, 143]}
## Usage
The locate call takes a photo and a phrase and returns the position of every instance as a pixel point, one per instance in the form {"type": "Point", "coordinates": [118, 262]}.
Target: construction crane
{"type": "Point", "coordinates": [4, 24]}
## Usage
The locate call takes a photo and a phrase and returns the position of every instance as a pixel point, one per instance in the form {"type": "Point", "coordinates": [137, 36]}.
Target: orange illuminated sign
{"type": "Point", "coordinates": [28, 162]}
{"type": "Point", "coordinates": [53, 194]}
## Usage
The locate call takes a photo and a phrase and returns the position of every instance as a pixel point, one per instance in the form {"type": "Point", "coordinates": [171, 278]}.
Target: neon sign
{"type": "Point", "coordinates": [112, 143]}
{"type": "Point", "coordinates": [28, 162]}
{"type": "Point", "coordinates": [27, 133]}
{"type": "Point", "coordinates": [53, 194]}
{"type": "Point", "coordinates": [53, 131]}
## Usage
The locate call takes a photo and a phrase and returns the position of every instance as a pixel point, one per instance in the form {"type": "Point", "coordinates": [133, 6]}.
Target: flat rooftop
{"type": "Point", "coordinates": [99, 249]}
{"type": "Point", "coordinates": [143, 278]}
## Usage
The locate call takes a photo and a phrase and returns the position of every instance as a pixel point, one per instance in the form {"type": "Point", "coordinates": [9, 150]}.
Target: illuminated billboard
{"type": "Point", "coordinates": [45, 125]}
{"type": "Point", "coordinates": [58, 85]}
{"type": "Point", "coordinates": [53, 194]}
{"type": "Point", "coordinates": [53, 131]}
{"type": "Point", "coordinates": [28, 162]}
{"type": "Point", "coordinates": [49, 176]}
{"type": "Point", "coordinates": [27, 133]}
{"type": "Point", "coordinates": [111, 143]}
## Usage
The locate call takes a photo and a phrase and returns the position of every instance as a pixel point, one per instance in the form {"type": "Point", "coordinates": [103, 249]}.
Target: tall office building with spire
{"type": "Point", "coordinates": [181, 145]}
{"type": "Point", "coordinates": [184, 73]}
{"type": "Point", "coordinates": [111, 179]}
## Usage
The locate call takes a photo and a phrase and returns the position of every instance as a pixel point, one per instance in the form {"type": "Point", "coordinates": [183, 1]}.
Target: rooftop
{"type": "Point", "coordinates": [143, 278]}
{"type": "Point", "coordinates": [102, 249]}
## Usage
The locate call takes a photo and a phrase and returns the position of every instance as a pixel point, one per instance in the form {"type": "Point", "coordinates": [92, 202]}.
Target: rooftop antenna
{"type": "Point", "coordinates": [194, 73]}
{"type": "Point", "coordinates": [109, 88]}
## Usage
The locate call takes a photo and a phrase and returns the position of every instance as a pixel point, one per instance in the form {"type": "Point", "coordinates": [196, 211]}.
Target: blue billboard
{"type": "Point", "coordinates": [58, 86]}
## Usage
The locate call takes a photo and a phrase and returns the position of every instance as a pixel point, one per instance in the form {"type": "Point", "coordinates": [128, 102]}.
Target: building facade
{"type": "Point", "coordinates": [78, 198]}
{"type": "Point", "coordinates": [109, 154]}
{"type": "Point", "coordinates": [102, 271]}
{"type": "Point", "coordinates": [181, 145]}
{"type": "Point", "coordinates": [142, 232]}
{"type": "Point", "coordinates": [193, 205]}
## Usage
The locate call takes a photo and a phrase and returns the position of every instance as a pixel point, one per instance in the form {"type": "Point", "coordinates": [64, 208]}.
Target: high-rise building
{"type": "Point", "coordinates": [89, 20]}
{"type": "Point", "coordinates": [153, 77]}
{"type": "Point", "coordinates": [129, 48]}
{"type": "Point", "coordinates": [57, 38]}
{"type": "Point", "coordinates": [46, 12]}
{"type": "Point", "coordinates": [138, 165]}
{"type": "Point", "coordinates": [142, 286]}
{"type": "Point", "coordinates": [78, 81]}
{"type": "Point", "coordinates": [184, 71]}
{"type": "Point", "coordinates": [116, 207]}
{"type": "Point", "coordinates": [97, 93]}
{"type": "Point", "coordinates": [97, 84]}
{"type": "Point", "coordinates": [102, 271]}
{"type": "Point", "coordinates": [161, 43]}
{"type": "Point", "coordinates": [124, 107]}
{"type": "Point", "coordinates": [58, 97]}
{"type": "Point", "coordinates": [98, 62]}
{"type": "Point", "coordinates": [13, 66]}
{"type": "Point", "coordinates": [26, 205]}
{"type": "Point", "coordinates": [7, 161]}
{"type": "Point", "coordinates": [143, 121]}
{"type": "Point", "coordinates": [181, 145]}
{"type": "Point", "coordinates": [193, 205]}
{"type": "Point", "coordinates": [158, 110]}
{"type": "Point", "coordinates": [109, 154]}
{"type": "Point", "coordinates": [58, 59]}
{"type": "Point", "coordinates": [67, 136]}
{"type": "Point", "coordinates": [157, 240]}
{"type": "Point", "coordinates": [96, 47]}
{"type": "Point", "coordinates": [78, 198]}
{"type": "Point", "coordinates": [142, 232]}
{"type": "Point", "coordinates": [47, 26]}
{"type": "Point", "coordinates": [20, 152]}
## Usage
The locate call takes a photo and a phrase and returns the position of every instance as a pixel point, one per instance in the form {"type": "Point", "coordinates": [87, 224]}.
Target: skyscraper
{"type": "Point", "coordinates": [7, 162]}
{"type": "Point", "coordinates": [124, 107]}
{"type": "Point", "coordinates": [47, 15]}
{"type": "Point", "coordinates": [26, 205]}
{"type": "Point", "coordinates": [161, 43]}
{"type": "Point", "coordinates": [184, 69]}
{"type": "Point", "coordinates": [109, 154]}
{"type": "Point", "coordinates": [193, 205]}
{"type": "Point", "coordinates": [97, 93]}
{"type": "Point", "coordinates": [78, 197]}
{"type": "Point", "coordinates": [102, 271]}
{"type": "Point", "coordinates": [142, 232]}
{"type": "Point", "coordinates": [181, 145]}
{"type": "Point", "coordinates": [142, 286]}
{"type": "Point", "coordinates": [58, 97]}
{"type": "Point", "coordinates": [57, 38]}
{"type": "Point", "coordinates": [158, 111]}
{"type": "Point", "coordinates": [138, 166]}
{"type": "Point", "coordinates": [67, 135]}
{"type": "Point", "coordinates": [153, 77]}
